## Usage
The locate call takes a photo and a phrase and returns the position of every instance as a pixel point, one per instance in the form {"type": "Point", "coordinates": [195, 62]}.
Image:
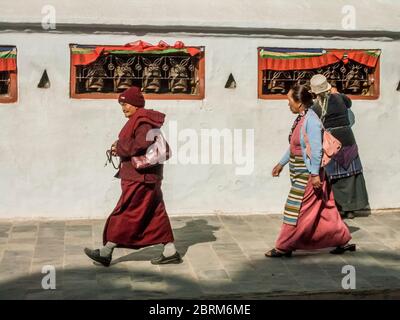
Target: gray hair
{"type": "Point", "coordinates": [322, 101]}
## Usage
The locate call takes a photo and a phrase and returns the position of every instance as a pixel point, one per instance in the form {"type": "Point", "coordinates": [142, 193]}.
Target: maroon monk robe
{"type": "Point", "coordinates": [139, 218]}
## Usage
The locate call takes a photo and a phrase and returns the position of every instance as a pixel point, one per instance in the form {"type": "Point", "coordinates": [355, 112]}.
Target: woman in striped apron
{"type": "Point", "coordinates": [311, 219]}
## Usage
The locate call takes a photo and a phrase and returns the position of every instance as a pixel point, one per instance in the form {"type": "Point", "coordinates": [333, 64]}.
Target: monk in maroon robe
{"type": "Point", "coordinates": [139, 218]}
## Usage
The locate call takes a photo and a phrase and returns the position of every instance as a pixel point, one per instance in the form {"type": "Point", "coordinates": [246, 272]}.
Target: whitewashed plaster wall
{"type": "Point", "coordinates": [53, 147]}
{"type": "Point", "coordinates": [284, 14]}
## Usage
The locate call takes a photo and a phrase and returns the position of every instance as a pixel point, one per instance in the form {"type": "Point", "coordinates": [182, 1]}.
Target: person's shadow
{"type": "Point", "coordinates": [353, 229]}
{"type": "Point", "coordinates": [195, 231]}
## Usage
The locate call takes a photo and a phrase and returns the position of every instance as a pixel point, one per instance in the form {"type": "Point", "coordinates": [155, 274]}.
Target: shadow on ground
{"type": "Point", "coordinates": [194, 232]}
{"type": "Point", "coordinates": [266, 280]}
{"type": "Point", "coordinates": [363, 213]}
{"type": "Point", "coordinates": [307, 275]}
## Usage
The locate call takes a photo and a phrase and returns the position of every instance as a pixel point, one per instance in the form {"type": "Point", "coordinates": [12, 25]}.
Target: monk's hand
{"type": "Point", "coordinates": [114, 149]}
{"type": "Point", "coordinates": [316, 182]}
{"type": "Point", "coordinates": [277, 170]}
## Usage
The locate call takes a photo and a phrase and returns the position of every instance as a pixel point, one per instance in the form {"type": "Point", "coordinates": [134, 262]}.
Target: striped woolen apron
{"type": "Point", "coordinates": [299, 178]}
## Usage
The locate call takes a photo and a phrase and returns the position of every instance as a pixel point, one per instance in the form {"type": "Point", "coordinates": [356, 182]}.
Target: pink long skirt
{"type": "Point", "coordinates": [319, 224]}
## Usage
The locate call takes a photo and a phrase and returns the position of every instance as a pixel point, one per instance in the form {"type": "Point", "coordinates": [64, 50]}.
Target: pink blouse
{"type": "Point", "coordinates": [295, 147]}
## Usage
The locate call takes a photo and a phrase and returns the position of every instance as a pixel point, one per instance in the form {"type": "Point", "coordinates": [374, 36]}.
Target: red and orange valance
{"type": "Point", "coordinates": [282, 59]}
{"type": "Point", "coordinates": [8, 58]}
{"type": "Point", "coordinates": [83, 55]}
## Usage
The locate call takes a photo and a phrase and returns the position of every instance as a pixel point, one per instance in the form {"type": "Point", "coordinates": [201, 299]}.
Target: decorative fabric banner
{"type": "Point", "coordinates": [282, 59]}
{"type": "Point", "coordinates": [83, 55]}
{"type": "Point", "coordinates": [8, 58]}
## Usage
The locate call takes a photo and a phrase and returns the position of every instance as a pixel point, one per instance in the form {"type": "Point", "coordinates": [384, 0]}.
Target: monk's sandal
{"type": "Point", "coordinates": [176, 258]}
{"type": "Point", "coordinates": [95, 255]}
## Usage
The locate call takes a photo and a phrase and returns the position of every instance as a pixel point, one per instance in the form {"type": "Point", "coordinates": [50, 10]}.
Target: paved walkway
{"type": "Point", "coordinates": [223, 258]}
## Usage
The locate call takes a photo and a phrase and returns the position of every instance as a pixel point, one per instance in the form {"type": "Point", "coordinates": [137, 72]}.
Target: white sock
{"type": "Point", "coordinates": [107, 250]}
{"type": "Point", "coordinates": [169, 249]}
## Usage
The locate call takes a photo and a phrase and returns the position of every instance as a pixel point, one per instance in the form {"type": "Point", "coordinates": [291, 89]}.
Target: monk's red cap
{"type": "Point", "coordinates": [133, 96]}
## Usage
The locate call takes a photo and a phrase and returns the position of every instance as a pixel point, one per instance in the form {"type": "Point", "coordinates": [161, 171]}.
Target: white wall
{"type": "Point", "coordinates": [286, 14]}
{"type": "Point", "coordinates": [53, 148]}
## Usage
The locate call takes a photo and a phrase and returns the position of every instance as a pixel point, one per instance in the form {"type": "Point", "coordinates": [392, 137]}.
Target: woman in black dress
{"type": "Point", "coordinates": [345, 170]}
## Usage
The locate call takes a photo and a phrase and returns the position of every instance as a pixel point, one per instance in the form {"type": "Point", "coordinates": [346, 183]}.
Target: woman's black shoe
{"type": "Point", "coordinates": [277, 254]}
{"type": "Point", "coordinates": [176, 258]}
{"type": "Point", "coordinates": [95, 255]}
{"type": "Point", "coordinates": [350, 215]}
{"type": "Point", "coordinates": [347, 214]}
{"type": "Point", "coordinates": [341, 250]}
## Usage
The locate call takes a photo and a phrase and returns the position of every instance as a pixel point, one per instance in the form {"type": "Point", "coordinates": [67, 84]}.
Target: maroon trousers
{"type": "Point", "coordinates": [140, 218]}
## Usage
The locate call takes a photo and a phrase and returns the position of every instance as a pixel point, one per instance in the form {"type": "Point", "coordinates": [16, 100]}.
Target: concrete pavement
{"type": "Point", "coordinates": [223, 258]}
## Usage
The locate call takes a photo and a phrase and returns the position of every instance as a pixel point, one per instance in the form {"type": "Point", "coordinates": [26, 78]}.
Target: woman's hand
{"type": "Point", "coordinates": [334, 90]}
{"type": "Point", "coordinates": [114, 149]}
{"type": "Point", "coordinates": [277, 170]}
{"type": "Point", "coordinates": [316, 182]}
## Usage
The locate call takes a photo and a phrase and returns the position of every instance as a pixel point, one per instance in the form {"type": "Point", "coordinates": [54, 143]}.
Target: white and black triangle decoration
{"type": "Point", "coordinates": [44, 81]}
{"type": "Point", "coordinates": [231, 82]}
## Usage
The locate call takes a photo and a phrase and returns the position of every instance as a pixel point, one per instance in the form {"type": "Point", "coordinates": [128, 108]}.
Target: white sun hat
{"type": "Point", "coordinates": [319, 84]}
